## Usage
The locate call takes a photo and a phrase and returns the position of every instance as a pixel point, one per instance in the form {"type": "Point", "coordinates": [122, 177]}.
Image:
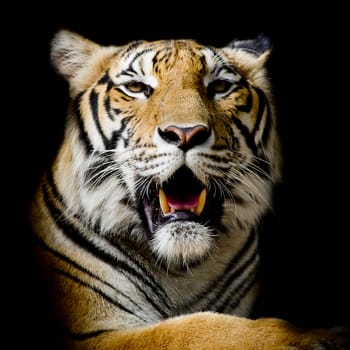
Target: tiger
{"type": "Point", "coordinates": [146, 224]}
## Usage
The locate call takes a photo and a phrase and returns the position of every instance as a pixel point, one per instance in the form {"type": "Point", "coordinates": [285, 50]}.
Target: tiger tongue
{"type": "Point", "coordinates": [182, 202]}
{"type": "Point", "coordinates": [175, 202]}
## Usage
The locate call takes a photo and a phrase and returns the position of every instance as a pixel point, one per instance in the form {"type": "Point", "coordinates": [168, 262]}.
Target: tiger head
{"type": "Point", "coordinates": [169, 143]}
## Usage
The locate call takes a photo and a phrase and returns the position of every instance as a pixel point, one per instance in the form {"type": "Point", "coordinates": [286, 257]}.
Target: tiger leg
{"type": "Point", "coordinates": [208, 331]}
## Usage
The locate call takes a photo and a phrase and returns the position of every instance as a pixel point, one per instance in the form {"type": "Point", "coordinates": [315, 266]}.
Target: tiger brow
{"type": "Point", "coordinates": [131, 47]}
{"type": "Point", "coordinates": [130, 71]}
{"type": "Point", "coordinates": [140, 53]}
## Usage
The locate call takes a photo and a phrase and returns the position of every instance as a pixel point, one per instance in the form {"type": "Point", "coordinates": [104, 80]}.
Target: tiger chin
{"type": "Point", "coordinates": [146, 225]}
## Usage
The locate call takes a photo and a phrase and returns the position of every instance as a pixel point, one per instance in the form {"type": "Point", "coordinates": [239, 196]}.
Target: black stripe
{"type": "Point", "coordinates": [107, 104]}
{"type": "Point", "coordinates": [246, 134]}
{"type": "Point", "coordinates": [268, 125]}
{"type": "Point", "coordinates": [83, 135]}
{"type": "Point", "coordinates": [249, 102]}
{"type": "Point", "coordinates": [238, 293]}
{"type": "Point", "coordinates": [76, 236]}
{"type": "Point", "coordinates": [261, 162]}
{"type": "Point", "coordinates": [137, 55]}
{"type": "Point", "coordinates": [128, 98]}
{"type": "Point", "coordinates": [230, 276]}
{"type": "Point", "coordinates": [130, 71]}
{"type": "Point", "coordinates": [105, 80]}
{"type": "Point", "coordinates": [89, 273]}
{"type": "Point", "coordinates": [216, 56]}
{"type": "Point", "coordinates": [227, 68]}
{"type": "Point", "coordinates": [249, 136]}
{"type": "Point", "coordinates": [213, 287]}
{"type": "Point", "coordinates": [238, 257]}
{"type": "Point", "coordinates": [134, 45]}
{"type": "Point", "coordinates": [261, 109]}
{"type": "Point", "coordinates": [89, 335]}
{"type": "Point", "coordinates": [93, 100]}
{"type": "Point", "coordinates": [99, 292]}
{"type": "Point", "coordinates": [79, 267]}
{"type": "Point", "coordinates": [116, 135]}
{"type": "Point", "coordinates": [51, 182]}
{"type": "Point", "coordinates": [234, 276]}
{"type": "Point", "coordinates": [162, 57]}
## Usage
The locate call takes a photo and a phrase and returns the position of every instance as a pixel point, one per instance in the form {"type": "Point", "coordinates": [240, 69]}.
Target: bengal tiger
{"type": "Point", "coordinates": [146, 226]}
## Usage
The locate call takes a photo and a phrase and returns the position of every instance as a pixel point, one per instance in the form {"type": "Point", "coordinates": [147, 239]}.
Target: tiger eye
{"type": "Point", "coordinates": [136, 86]}
{"type": "Point", "coordinates": [219, 86]}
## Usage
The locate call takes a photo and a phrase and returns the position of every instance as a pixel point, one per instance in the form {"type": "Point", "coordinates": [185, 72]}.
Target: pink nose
{"type": "Point", "coordinates": [185, 137]}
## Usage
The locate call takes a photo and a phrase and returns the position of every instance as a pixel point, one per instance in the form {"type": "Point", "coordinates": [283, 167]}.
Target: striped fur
{"type": "Point", "coordinates": [176, 122]}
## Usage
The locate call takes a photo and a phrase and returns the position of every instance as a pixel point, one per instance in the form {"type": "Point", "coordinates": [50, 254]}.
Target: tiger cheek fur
{"type": "Point", "coordinates": [146, 225]}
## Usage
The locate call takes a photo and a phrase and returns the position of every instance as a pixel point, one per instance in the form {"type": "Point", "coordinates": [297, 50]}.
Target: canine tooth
{"type": "Point", "coordinates": [201, 201]}
{"type": "Point", "coordinates": [163, 202]}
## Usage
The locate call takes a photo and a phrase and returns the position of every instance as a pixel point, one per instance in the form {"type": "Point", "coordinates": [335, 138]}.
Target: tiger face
{"type": "Point", "coordinates": [169, 143]}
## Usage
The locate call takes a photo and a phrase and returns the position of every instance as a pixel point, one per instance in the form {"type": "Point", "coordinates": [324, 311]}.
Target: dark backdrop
{"type": "Point", "coordinates": [305, 242]}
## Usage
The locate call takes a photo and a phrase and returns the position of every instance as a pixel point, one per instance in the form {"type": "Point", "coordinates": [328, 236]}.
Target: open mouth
{"type": "Point", "coordinates": [183, 197]}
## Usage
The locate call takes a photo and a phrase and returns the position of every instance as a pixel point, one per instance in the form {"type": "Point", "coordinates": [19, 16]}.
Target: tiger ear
{"type": "Point", "coordinates": [256, 46]}
{"type": "Point", "coordinates": [251, 56]}
{"type": "Point", "coordinates": [70, 52]}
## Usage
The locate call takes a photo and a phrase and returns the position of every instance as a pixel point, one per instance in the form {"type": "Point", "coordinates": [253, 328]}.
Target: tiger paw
{"type": "Point", "coordinates": [229, 332]}
{"type": "Point", "coordinates": [289, 337]}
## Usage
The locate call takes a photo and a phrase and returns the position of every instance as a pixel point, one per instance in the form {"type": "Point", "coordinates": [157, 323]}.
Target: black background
{"type": "Point", "coordinates": [305, 242]}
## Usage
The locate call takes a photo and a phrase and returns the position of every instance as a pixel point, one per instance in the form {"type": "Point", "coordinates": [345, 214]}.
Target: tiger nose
{"type": "Point", "coordinates": [185, 137]}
